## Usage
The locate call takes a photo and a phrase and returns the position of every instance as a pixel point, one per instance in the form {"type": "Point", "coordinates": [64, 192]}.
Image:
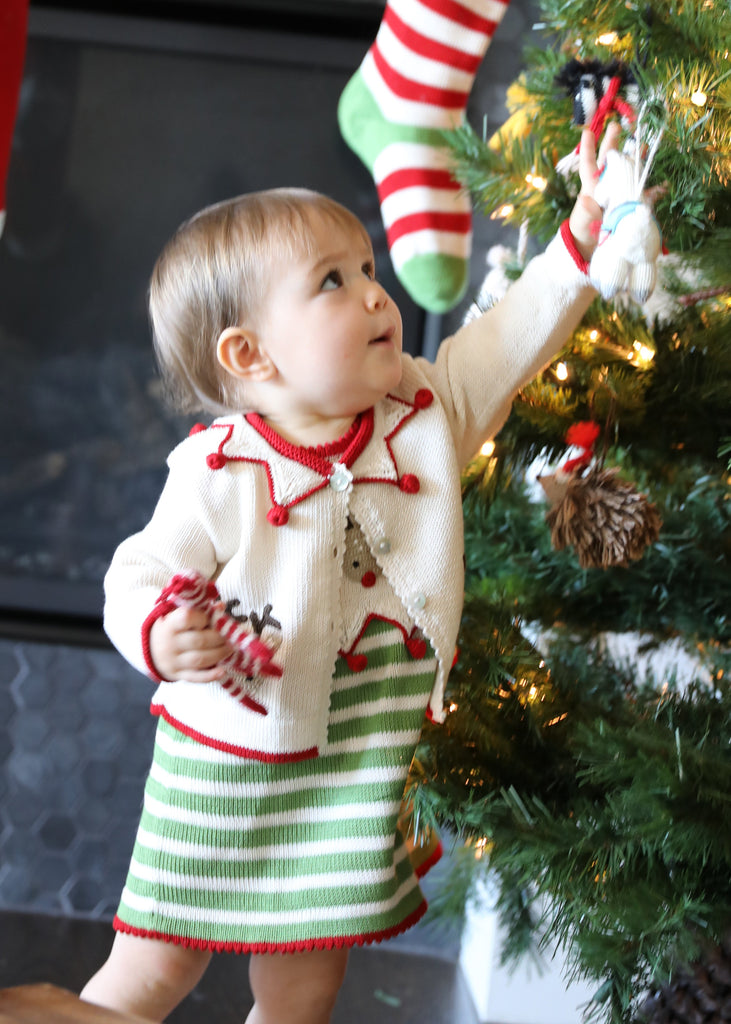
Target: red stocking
{"type": "Point", "coordinates": [13, 25]}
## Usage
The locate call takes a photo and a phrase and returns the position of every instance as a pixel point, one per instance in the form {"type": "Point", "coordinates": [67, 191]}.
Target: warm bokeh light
{"type": "Point", "coordinates": [502, 212]}
{"type": "Point", "coordinates": [536, 181]}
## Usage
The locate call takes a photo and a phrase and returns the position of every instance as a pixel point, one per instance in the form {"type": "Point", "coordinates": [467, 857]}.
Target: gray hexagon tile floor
{"type": "Point", "coordinates": [76, 741]}
{"type": "Point", "coordinates": [75, 744]}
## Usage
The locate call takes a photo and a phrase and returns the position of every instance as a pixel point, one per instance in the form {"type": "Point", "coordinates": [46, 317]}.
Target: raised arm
{"type": "Point", "coordinates": [478, 371]}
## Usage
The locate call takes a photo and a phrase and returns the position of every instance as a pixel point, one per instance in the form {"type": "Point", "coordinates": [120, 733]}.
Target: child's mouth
{"type": "Point", "coordinates": [385, 337]}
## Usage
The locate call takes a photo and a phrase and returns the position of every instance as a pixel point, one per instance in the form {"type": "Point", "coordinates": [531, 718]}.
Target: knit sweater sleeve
{"type": "Point", "coordinates": [478, 370]}
{"type": "Point", "coordinates": [178, 538]}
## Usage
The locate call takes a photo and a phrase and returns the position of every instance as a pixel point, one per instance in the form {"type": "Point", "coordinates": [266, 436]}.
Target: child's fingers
{"type": "Point", "coordinates": [184, 645]}
{"type": "Point", "coordinates": [198, 658]}
{"type": "Point", "coordinates": [203, 648]}
{"type": "Point", "coordinates": [185, 618]}
{"type": "Point", "coordinates": [200, 675]}
{"type": "Point", "coordinates": [591, 162]}
{"type": "Point", "coordinates": [583, 223]}
{"type": "Point", "coordinates": [587, 162]}
{"type": "Point", "coordinates": [610, 141]}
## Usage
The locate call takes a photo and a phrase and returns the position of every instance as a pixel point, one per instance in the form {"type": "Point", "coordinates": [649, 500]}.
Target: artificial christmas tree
{"type": "Point", "coordinates": [595, 782]}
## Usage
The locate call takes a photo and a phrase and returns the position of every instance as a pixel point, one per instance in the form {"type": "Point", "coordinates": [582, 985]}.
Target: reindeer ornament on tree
{"type": "Point", "coordinates": [629, 238]}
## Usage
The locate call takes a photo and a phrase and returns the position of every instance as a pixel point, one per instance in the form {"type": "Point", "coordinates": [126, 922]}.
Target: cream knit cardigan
{"type": "Point", "coordinates": [403, 489]}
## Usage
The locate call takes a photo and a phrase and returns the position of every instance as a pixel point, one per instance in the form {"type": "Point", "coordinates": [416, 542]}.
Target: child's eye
{"type": "Point", "coordinates": [369, 270]}
{"type": "Point", "coordinates": [333, 280]}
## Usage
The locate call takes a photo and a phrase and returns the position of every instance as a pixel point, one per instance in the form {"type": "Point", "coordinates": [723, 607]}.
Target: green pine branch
{"type": "Point", "coordinates": [594, 799]}
{"type": "Point", "coordinates": [604, 803]}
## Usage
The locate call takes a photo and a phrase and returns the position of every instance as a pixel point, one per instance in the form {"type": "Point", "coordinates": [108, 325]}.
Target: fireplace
{"type": "Point", "coordinates": [128, 124]}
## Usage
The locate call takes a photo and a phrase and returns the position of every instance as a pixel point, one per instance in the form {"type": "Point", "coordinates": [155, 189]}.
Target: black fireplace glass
{"type": "Point", "coordinates": [125, 127]}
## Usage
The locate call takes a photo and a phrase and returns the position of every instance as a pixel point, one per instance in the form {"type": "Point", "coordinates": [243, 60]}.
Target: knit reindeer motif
{"type": "Point", "coordinates": [360, 566]}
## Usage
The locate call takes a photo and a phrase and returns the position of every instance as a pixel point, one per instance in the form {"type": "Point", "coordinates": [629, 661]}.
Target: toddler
{"type": "Point", "coordinates": [324, 504]}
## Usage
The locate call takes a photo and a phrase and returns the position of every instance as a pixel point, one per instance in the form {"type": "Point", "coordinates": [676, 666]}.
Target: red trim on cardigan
{"type": "Point", "coordinates": [350, 445]}
{"type": "Point", "coordinates": [414, 642]}
{"type": "Point", "coordinates": [161, 608]}
{"type": "Point", "coordinates": [422, 400]}
{"type": "Point", "coordinates": [278, 514]}
{"type": "Point", "coordinates": [231, 748]}
{"type": "Point", "coordinates": [304, 946]}
{"type": "Point", "coordinates": [570, 242]}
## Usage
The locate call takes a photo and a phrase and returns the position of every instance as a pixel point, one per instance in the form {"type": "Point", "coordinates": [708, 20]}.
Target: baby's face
{"type": "Point", "coordinates": [333, 333]}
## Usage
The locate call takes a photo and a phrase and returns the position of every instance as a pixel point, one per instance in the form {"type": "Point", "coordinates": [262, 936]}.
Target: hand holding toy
{"type": "Point", "coordinates": [249, 657]}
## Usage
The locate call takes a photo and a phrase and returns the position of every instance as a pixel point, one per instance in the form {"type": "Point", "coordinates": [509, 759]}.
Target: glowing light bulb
{"type": "Point", "coordinates": [536, 181]}
{"type": "Point", "coordinates": [607, 39]}
{"type": "Point", "coordinates": [698, 98]}
{"type": "Point", "coordinates": [594, 335]}
{"type": "Point", "coordinates": [643, 353]}
{"type": "Point", "coordinates": [502, 212]}
{"type": "Point", "coordinates": [481, 847]}
{"type": "Point", "coordinates": [562, 371]}
{"type": "Point", "coordinates": [488, 448]}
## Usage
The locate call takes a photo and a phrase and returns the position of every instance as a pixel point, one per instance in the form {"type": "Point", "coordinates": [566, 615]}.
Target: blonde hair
{"type": "Point", "coordinates": [214, 273]}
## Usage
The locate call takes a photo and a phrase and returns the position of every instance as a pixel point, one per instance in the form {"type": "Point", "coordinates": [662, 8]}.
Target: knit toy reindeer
{"type": "Point", "coordinates": [249, 657]}
{"type": "Point", "coordinates": [629, 239]}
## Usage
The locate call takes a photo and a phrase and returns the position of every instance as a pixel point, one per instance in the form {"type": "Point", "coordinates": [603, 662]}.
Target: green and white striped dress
{"type": "Point", "coordinates": [241, 855]}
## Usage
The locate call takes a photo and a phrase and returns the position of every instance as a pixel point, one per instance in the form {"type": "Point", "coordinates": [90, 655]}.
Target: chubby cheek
{"type": "Point", "coordinates": [398, 371]}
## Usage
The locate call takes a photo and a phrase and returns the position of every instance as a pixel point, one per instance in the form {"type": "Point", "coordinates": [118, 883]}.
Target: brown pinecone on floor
{"type": "Point", "coordinates": [699, 995]}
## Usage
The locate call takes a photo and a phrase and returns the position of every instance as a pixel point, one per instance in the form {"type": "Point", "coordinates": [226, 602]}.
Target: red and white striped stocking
{"type": "Point", "coordinates": [413, 84]}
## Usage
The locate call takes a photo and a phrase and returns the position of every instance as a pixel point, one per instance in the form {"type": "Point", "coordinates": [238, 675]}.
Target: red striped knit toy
{"type": "Point", "coordinates": [250, 656]}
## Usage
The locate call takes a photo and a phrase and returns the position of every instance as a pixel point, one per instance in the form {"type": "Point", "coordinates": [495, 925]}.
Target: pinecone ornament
{"type": "Point", "coordinates": [699, 995]}
{"type": "Point", "coordinates": [604, 518]}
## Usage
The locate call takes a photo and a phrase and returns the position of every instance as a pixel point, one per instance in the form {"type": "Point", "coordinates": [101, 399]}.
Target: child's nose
{"type": "Point", "coordinates": [375, 296]}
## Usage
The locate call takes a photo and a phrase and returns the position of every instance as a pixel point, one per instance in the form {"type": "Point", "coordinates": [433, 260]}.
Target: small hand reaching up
{"type": "Point", "coordinates": [587, 214]}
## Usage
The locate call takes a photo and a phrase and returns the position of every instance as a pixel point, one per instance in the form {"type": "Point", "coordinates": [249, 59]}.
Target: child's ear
{"type": "Point", "coordinates": [239, 352]}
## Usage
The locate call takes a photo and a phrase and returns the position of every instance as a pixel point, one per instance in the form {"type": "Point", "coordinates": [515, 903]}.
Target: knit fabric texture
{"type": "Point", "coordinates": [245, 856]}
{"type": "Point", "coordinates": [269, 522]}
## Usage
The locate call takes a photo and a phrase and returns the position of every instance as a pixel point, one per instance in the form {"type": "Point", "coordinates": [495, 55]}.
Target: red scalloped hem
{"type": "Point", "coordinates": [306, 946]}
{"type": "Point", "coordinates": [429, 863]}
